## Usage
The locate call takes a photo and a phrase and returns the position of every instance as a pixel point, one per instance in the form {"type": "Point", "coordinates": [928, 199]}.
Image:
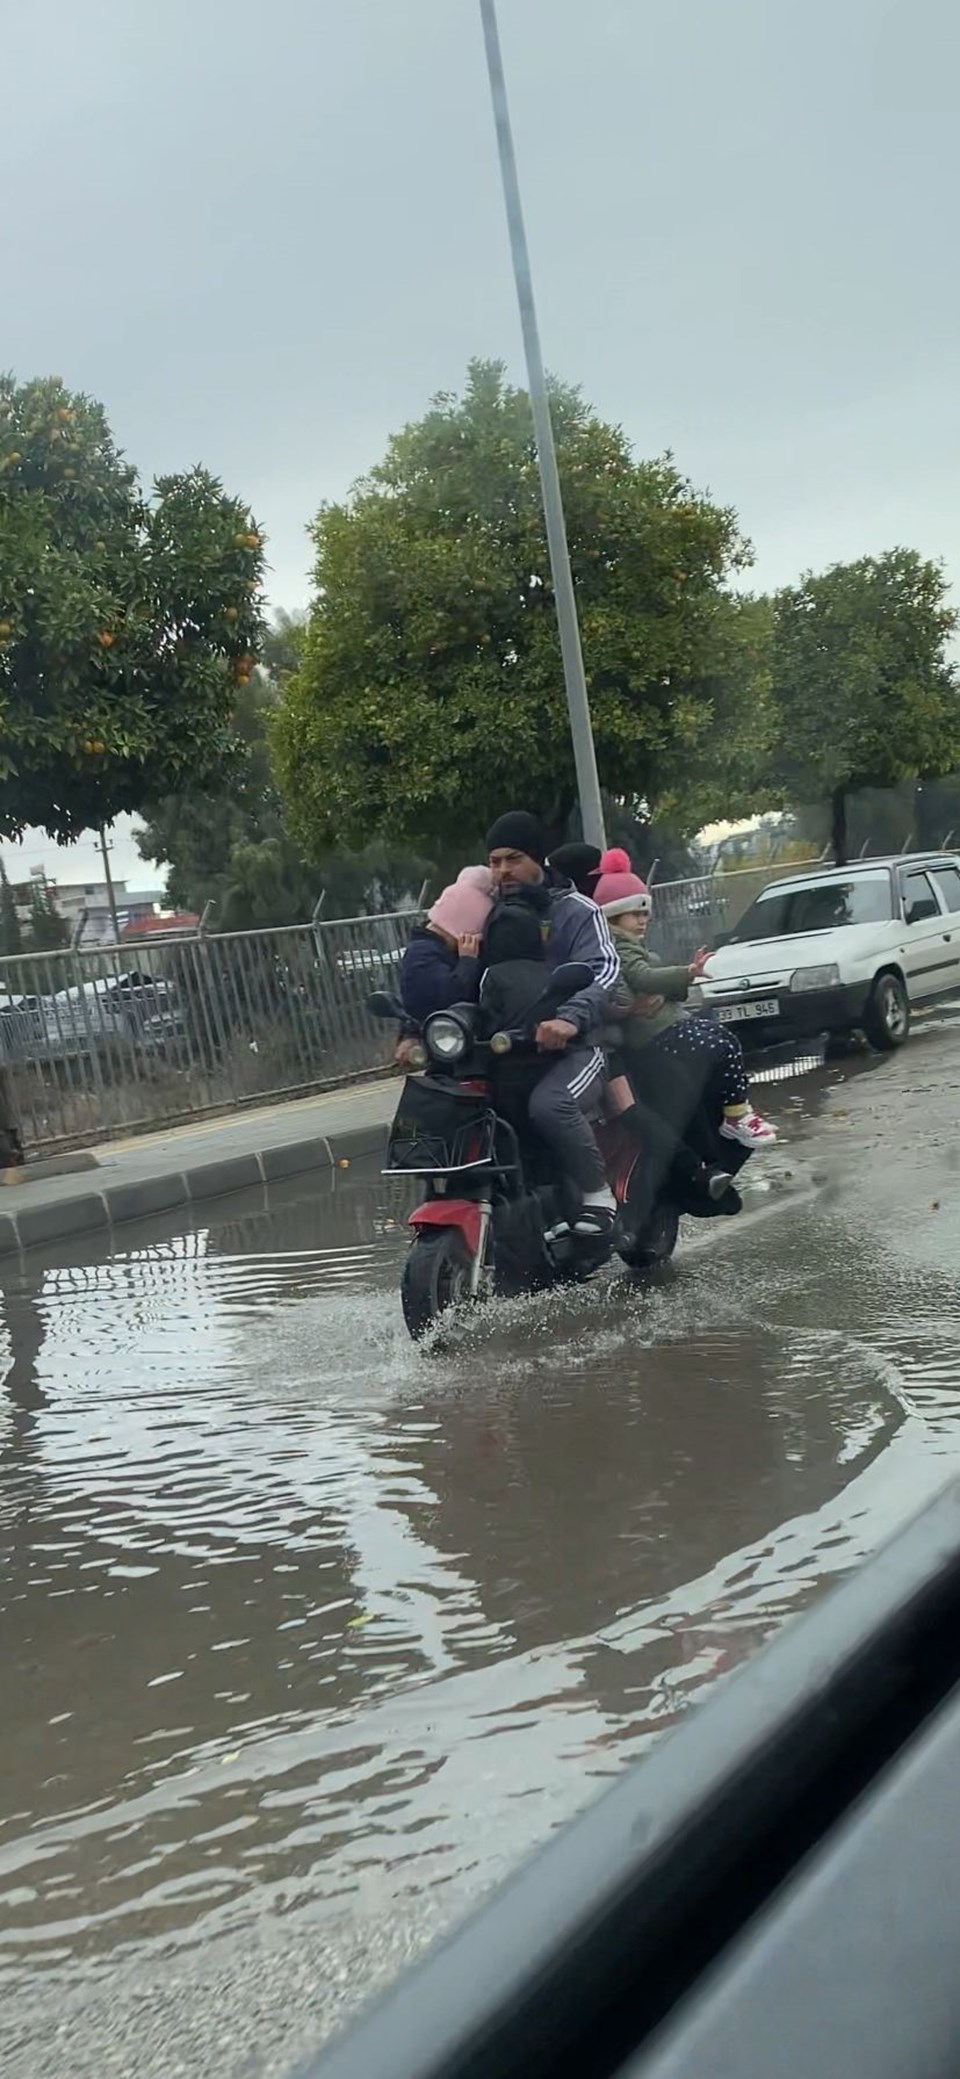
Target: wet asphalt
{"type": "Point", "coordinates": [308, 1637]}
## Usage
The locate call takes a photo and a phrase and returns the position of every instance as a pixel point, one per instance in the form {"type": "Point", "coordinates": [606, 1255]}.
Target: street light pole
{"type": "Point", "coordinates": [584, 753]}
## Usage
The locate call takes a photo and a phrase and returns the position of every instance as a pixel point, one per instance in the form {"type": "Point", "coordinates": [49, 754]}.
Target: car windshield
{"type": "Point", "coordinates": [820, 905]}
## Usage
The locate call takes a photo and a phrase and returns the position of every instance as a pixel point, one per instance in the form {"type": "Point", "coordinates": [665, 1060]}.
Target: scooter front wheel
{"type": "Point", "coordinates": [654, 1242]}
{"type": "Point", "coordinates": [436, 1276]}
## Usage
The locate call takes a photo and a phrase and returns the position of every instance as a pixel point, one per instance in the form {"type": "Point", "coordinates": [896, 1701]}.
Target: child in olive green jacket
{"type": "Point", "coordinates": [650, 999]}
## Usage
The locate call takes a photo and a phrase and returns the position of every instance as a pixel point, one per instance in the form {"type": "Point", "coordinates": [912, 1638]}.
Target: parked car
{"type": "Point", "coordinates": [836, 949]}
{"type": "Point", "coordinates": [21, 1028]}
{"type": "Point", "coordinates": [370, 963]}
{"type": "Point", "coordinates": [83, 1018]}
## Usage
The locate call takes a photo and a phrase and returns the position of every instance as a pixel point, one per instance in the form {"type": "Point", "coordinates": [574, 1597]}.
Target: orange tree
{"type": "Point", "coordinates": [430, 693]}
{"type": "Point", "coordinates": [126, 621]}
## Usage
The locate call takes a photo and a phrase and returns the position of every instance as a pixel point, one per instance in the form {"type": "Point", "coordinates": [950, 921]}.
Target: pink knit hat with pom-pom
{"type": "Point", "coordinates": [618, 889]}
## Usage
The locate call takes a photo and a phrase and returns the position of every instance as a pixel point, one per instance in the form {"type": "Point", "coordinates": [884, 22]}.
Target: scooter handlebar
{"type": "Point", "coordinates": [512, 1043]}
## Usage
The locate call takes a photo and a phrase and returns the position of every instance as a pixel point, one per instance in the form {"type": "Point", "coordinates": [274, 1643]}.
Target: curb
{"type": "Point", "coordinates": [96, 1211]}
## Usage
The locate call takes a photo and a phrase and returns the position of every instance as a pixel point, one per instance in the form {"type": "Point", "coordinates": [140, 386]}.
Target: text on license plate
{"type": "Point", "coordinates": [761, 1007]}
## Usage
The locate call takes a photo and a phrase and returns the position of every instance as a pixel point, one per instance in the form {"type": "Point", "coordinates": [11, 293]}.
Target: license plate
{"type": "Point", "coordinates": [761, 1007]}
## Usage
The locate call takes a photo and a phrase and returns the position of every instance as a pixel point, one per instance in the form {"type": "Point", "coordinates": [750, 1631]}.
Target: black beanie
{"type": "Point", "coordinates": [580, 862]}
{"type": "Point", "coordinates": [517, 832]}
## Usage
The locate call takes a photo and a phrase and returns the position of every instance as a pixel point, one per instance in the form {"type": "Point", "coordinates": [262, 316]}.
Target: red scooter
{"type": "Point", "coordinates": [494, 1215]}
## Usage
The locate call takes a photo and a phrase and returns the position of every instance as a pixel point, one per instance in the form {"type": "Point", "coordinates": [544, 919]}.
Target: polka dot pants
{"type": "Point", "coordinates": [712, 1050]}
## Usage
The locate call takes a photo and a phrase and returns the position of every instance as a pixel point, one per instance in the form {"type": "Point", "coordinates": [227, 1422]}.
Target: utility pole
{"type": "Point", "coordinates": [111, 896]}
{"type": "Point", "coordinates": [584, 752]}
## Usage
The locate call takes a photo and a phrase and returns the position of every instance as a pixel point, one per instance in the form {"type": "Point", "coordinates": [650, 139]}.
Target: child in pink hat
{"type": "Point", "coordinates": [650, 1002]}
{"type": "Point", "coordinates": [442, 964]}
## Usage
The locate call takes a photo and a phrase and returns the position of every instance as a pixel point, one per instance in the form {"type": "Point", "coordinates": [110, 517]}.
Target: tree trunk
{"type": "Point", "coordinates": [838, 825]}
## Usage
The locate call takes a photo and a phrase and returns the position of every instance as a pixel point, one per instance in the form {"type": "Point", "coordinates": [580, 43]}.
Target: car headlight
{"type": "Point", "coordinates": [815, 978]}
{"type": "Point", "coordinates": [444, 1037]}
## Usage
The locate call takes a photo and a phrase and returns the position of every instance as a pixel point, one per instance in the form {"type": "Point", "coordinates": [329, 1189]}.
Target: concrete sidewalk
{"type": "Point", "coordinates": [159, 1172]}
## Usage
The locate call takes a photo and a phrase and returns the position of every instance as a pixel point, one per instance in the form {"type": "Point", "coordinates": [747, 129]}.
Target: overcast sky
{"type": "Point", "coordinates": [264, 234]}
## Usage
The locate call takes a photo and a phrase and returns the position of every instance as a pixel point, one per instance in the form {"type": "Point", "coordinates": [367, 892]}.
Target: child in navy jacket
{"type": "Point", "coordinates": [443, 964]}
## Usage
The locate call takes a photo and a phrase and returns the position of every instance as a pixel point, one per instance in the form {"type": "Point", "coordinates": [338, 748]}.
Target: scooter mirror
{"type": "Point", "coordinates": [380, 1005]}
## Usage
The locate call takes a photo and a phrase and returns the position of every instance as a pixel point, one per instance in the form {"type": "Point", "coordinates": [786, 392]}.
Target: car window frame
{"type": "Point", "coordinates": [908, 873]}
{"type": "Point", "coordinates": [947, 866]}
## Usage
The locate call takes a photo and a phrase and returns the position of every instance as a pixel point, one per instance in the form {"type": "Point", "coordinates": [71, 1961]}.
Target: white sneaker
{"type": "Point", "coordinates": [597, 1213]}
{"type": "Point", "coordinates": [750, 1130]}
{"type": "Point", "coordinates": [596, 1221]}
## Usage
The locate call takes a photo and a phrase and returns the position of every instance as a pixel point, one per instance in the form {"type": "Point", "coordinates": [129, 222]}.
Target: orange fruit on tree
{"type": "Point", "coordinates": [105, 639]}
{"type": "Point", "coordinates": [231, 613]}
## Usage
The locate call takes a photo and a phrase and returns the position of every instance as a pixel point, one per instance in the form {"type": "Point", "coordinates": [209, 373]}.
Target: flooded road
{"type": "Point", "coordinates": [307, 1637]}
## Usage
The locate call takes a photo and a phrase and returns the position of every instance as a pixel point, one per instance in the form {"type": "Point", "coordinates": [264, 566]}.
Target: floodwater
{"type": "Point", "coordinates": [298, 1621]}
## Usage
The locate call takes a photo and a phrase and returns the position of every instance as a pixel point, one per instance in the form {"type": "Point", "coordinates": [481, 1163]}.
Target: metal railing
{"type": "Point", "coordinates": [107, 1040]}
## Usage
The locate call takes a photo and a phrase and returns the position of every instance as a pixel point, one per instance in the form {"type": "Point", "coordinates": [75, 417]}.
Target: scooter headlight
{"type": "Point", "coordinates": [445, 1038]}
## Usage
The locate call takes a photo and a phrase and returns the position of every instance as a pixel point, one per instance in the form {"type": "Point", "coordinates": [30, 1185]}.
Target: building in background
{"type": "Point", "coordinates": [71, 898]}
{"type": "Point", "coordinates": [173, 922]}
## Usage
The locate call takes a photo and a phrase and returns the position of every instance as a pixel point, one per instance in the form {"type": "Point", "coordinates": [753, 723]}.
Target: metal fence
{"type": "Point", "coordinates": [110, 1040]}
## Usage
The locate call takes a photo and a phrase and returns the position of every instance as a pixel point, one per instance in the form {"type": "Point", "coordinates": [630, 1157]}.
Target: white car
{"type": "Point", "coordinates": [839, 949]}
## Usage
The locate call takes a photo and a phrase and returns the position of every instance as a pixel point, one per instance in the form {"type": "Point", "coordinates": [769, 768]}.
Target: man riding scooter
{"type": "Point", "coordinates": [565, 1096]}
{"type": "Point", "coordinates": [572, 872]}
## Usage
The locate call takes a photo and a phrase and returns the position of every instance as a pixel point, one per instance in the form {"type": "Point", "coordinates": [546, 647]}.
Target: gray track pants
{"type": "Point", "coordinates": [558, 1107]}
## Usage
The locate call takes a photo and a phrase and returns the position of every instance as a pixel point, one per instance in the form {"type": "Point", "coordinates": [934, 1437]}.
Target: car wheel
{"type": "Point", "coordinates": [887, 1019]}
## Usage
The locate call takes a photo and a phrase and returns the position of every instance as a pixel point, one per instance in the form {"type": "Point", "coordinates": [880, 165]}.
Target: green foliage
{"type": "Point", "coordinates": [45, 931]}
{"type": "Point", "coordinates": [126, 623]}
{"type": "Point", "coordinates": [48, 930]}
{"type": "Point", "coordinates": [863, 695]}
{"type": "Point", "coordinates": [430, 692]}
{"type": "Point", "coordinates": [231, 846]}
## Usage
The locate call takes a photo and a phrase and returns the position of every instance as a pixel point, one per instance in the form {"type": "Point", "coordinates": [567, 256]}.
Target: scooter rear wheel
{"type": "Point", "coordinates": [436, 1276]}
{"type": "Point", "coordinates": [654, 1242]}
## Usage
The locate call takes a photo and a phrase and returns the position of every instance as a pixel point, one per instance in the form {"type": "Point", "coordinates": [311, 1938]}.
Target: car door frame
{"type": "Point", "coordinates": [952, 916]}
{"type": "Point", "coordinates": [926, 949]}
